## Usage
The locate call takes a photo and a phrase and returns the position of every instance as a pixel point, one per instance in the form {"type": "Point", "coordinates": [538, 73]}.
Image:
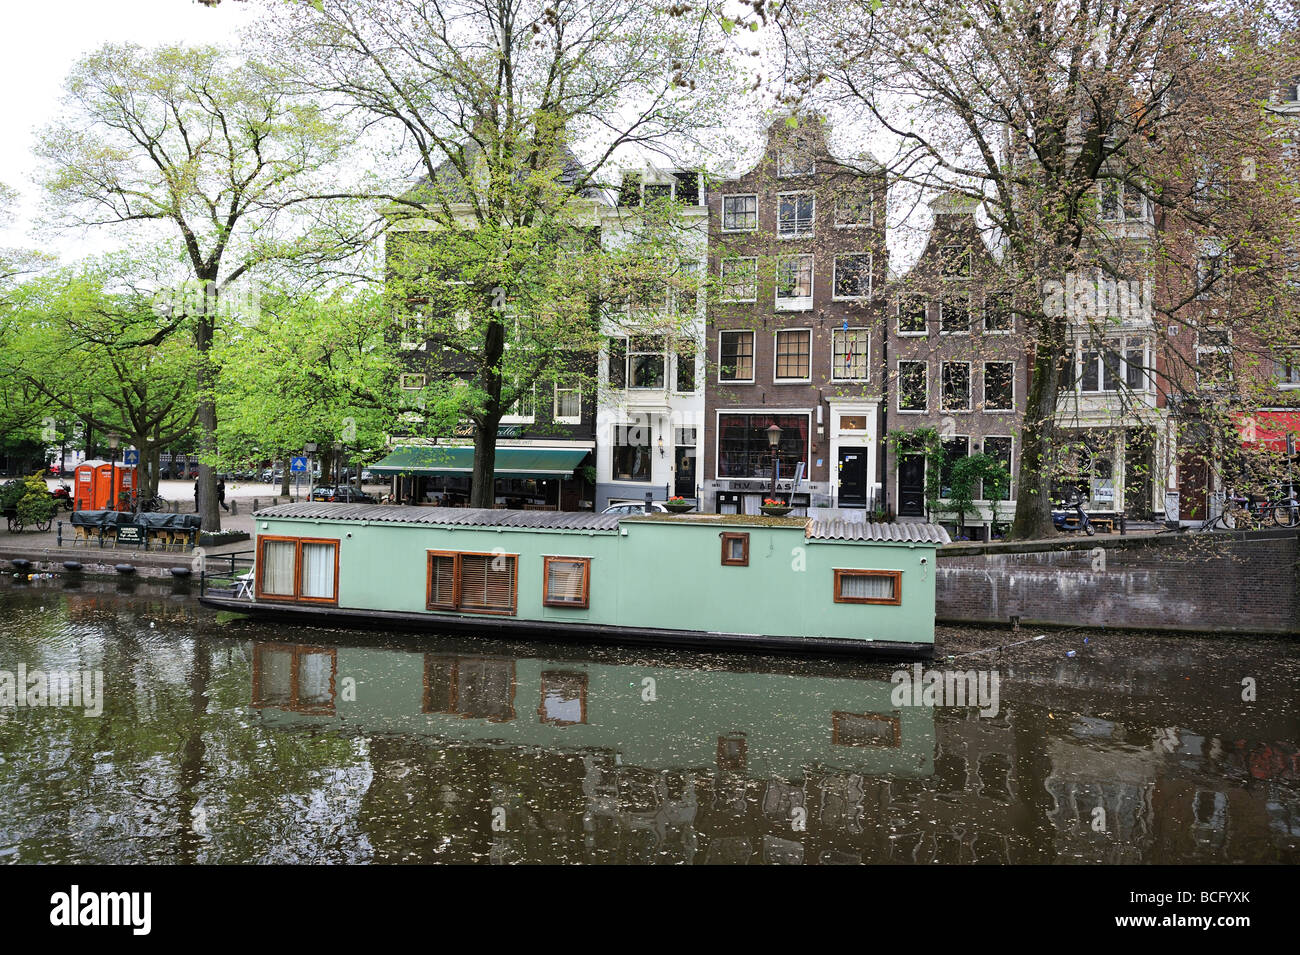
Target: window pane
{"type": "Point", "coordinates": [631, 453]}
{"type": "Point", "coordinates": [277, 567]}
{"type": "Point", "coordinates": [912, 386]}
{"type": "Point", "coordinates": [998, 316]}
{"type": "Point", "coordinates": [954, 315]}
{"type": "Point", "coordinates": [954, 449]}
{"type": "Point", "coordinates": [315, 679]}
{"type": "Point", "coordinates": [955, 386]}
{"type": "Point", "coordinates": [685, 365]}
{"type": "Point", "coordinates": [792, 354]}
{"type": "Point", "coordinates": [564, 581]}
{"type": "Point", "coordinates": [853, 275]}
{"type": "Point", "coordinates": [739, 278]}
{"type": "Point", "coordinates": [442, 581]}
{"type": "Point", "coordinates": [794, 277]}
{"type": "Point", "coordinates": [911, 315]}
{"type": "Point", "coordinates": [1090, 380]}
{"type": "Point", "coordinates": [1000, 450]}
{"type": "Point", "coordinates": [618, 362]}
{"type": "Point", "coordinates": [1134, 374]}
{"type": "Point", "coordinates": [487, 581]}
{"type": "Point", "coordinates": [851, 349]}
{"type": "Point", "coordinates": [275, 676]}
{"type": "Point", "coordinates": [867, 586]}
{"type": "Point", "coordinates": [739, 213]}
{"type": "Point", "coordinates": [999, 387]}
{"type": "Point", "coordinates": [737, 358]}
{"type": "Point", "coordinates": [318, 571]}
{"type": "Point", "coordinates": [646, 355]}
{"type": "Point", "coordinates": [742, 444]}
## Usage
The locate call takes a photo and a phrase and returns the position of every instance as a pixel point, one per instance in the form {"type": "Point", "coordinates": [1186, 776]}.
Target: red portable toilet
{"type": "Point", "coordinates": [96, 487]}
{"type": "Point", "coordinates": [83, 492]}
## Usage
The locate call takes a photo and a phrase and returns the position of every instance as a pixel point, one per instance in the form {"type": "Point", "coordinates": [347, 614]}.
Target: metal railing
{"type": "Point", "coordinates": [227, 574]}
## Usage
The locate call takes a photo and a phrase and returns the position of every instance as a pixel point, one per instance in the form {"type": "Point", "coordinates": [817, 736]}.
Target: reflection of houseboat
{"type": "Point", "coordinates": [721, 580]}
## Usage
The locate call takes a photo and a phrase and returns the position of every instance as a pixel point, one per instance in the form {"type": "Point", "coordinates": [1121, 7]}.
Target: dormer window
{"type": "Point", "coordinates": [638, 189]}
{"type": "Point", "coordinates": [793, 162]}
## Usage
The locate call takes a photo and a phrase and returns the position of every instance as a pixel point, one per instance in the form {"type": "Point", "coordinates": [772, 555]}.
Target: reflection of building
{"type": "Point", "coordinates": [797, 252]}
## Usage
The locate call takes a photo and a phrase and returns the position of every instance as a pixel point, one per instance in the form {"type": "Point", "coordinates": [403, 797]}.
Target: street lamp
{"type": "Point", "coordinates": [774, 442]}
{"type": "Point", "coordinates": [113, 440]}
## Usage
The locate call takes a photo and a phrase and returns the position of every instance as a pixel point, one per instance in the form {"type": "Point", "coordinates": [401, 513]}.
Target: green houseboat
{"type": "Point", "coordinates": [699, 580]}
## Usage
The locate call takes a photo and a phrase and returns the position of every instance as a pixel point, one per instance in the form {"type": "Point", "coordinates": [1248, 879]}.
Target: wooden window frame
{"type": "Point", "coordinates": [894, 722]}
{"type": "Point", "coordinates": [896, 600]}
{"type": "Point", "coordinates": [582, 697]}
{"type": "Point", "coordinates": [296, 652]}
{"type": "Point", "coordinates": [778, 378]}
{"type": "Point", "coordinates": [297, 596]}
{"type": "Point", "coordinates": [456, 583]}
{"type": "Point", "coordinates": [546, 577]}
{"type": "Point", "coordinates": [455, 660]}
{"type": "Point", "coordinates": [730, 536]}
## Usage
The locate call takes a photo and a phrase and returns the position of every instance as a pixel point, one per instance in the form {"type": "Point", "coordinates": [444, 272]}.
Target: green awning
{"type": "Point", "coordinates": [439, 461]}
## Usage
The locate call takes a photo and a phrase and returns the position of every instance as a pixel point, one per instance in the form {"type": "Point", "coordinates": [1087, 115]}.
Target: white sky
{"type": "Point", "coordinates": [39, 45]}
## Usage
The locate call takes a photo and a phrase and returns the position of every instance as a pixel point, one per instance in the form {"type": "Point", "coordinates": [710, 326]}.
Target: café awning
{"type": "Point", "coordinates": [453, 461]}
{"type": "Point", "coordinates": [1269, 428]}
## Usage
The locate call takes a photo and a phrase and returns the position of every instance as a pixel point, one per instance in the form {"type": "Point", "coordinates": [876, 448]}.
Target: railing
{"type": "Point", "coordinates": [227, 575]}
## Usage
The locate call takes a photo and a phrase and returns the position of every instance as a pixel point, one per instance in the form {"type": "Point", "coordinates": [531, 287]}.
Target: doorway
{"type": "Point", "coordinates": [853, 477]}
{"type": "Point", "coordinates": [911, 485]}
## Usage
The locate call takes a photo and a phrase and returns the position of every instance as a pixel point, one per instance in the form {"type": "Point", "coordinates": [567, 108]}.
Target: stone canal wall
{"type": "Point", "coordinates": [1242, 582]}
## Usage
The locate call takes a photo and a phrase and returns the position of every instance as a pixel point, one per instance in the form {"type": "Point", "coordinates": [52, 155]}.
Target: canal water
{"type": "Point", "coordinates": [222, 740]}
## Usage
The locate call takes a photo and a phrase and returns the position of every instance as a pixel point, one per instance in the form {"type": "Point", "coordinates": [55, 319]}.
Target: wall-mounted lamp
{"type": "Point", "coordinates": [661, 446]}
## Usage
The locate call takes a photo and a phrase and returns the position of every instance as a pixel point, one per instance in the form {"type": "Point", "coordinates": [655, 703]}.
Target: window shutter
{"type": "Point", "coordinates": [487, 582]}
{"type": "Point", "coordinates": [442, 581]}
{"type": "Point", "coordinates": [564, 581]}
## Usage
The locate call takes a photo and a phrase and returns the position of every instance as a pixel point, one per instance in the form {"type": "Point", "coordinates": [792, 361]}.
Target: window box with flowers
{"type": "Point", "coordinates": [679, 505]}
{"type": "Point", "coordinates": [775, 508]}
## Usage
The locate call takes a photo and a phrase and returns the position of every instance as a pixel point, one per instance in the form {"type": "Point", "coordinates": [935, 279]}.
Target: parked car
{"type": "Point", "coordinates": [272, 475]}
{"type": "Point", "coordinates": [341, 494]}
{"type": "Point", "coordinates": [633, 507]}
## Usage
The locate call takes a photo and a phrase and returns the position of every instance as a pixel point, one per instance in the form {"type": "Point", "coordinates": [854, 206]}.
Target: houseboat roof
{"type": "Point", "coordinates": [453, 516]}
{"type": "Point", "coordinates": [815, 528]}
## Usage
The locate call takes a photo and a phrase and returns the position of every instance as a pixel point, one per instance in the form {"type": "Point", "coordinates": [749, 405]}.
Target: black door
{"type": "Point", "coordinates": [684, 480]}
{"type": "Point", "coordinates": [911, 485]}
{"type": "Point", "coordinates": [853, 477]}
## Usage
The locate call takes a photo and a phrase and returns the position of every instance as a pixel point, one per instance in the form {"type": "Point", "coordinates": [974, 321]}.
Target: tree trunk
{"type": "Point", "coordinates": [203, 335]}
{"type": "Point", "coordinates": [1033, 518]}
{"type": "Point", "coordinates": [482, 491]}
{"type": "Point", "coordinates": [284, 477]}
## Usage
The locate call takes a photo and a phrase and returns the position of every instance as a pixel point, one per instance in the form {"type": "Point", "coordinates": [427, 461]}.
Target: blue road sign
{"type": "Point", "coordinates": [298, 464]}
{"type": "Point", "coordinates": [130, 457]}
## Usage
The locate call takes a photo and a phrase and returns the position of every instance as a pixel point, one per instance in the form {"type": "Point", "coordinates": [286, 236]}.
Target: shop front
{"type": "Point", "coordinates": [527, 478]}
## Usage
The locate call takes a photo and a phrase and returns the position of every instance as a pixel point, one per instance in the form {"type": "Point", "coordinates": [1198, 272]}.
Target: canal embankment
{"type": "Point", "coordinates": [1231, 582]}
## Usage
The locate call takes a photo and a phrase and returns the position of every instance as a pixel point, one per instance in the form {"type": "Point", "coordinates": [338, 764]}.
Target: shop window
{"type": "Point", "coordinates": [869, 586]}
{"type": "Point", "coordinates": [567, 582]}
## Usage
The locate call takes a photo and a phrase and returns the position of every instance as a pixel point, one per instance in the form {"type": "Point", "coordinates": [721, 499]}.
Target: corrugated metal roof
{"type": "Point", "coordinates": [455, 516]}
{"type": "Point", "coordinates": [835, 529]}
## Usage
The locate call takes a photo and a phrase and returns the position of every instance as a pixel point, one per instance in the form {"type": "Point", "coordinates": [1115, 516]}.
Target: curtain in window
{"type": "Point", "coordinates": [564, 581]}
{"type": "Point", "coordinates": [275, 674]}
{"type": "Point", "coordinates": [867, 586]}
{"type": "Point", "coordinates": [277, 567]}
{"type": "Point", "coordinates": [318, 571]}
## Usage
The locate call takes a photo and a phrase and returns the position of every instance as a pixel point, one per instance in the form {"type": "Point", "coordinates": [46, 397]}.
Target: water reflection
{"type": "Point", "coordinates": [229, 741]}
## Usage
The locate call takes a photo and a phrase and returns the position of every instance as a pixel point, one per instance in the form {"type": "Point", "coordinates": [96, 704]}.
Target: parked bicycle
{"type": "Point", "coordinates": [1252, 511]}
{"type": "Point", "coordinates": [152, 505]}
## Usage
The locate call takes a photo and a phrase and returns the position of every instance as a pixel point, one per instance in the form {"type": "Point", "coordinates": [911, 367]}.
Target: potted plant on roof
{"type": "Point", "coordinates": [678, 505]}
{"type": "Point", "coordinates": [773, 507]}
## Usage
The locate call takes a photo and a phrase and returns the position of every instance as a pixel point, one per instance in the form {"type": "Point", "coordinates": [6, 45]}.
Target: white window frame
{"type": "Point", "coordinates": [673, 348]}
{"type": "Point", "coordinates": [740, 195]}
{"type": "Point", "coordinates": [753, 356]}
{"type": "Point", "coordinates": [555, 406]}
{"type": "Point", "coordinates": [871, 212]}
{"type": "Point", "coordinates": [898, 314]}
{"type": "Point", "coordinates": [782, 161]}
{"type": "Point", "coordinates": [775, 340]}
{"type": "Point", "coordinates": [722, 277]}
{"type": "Point", "coordinates": [970, 390]}
{"type": "Point", "coordinates": [1120, 347]}
{"type": "Point", "coordinates": [898, 391]}
{"type": "Point", "coordinates": [514, 418]}
{"type": "Point", "coordinates": [1011, 466]}
{"type": "Point", "coordinates": [1011, 314]}
{"type": "Point", "coordinates": [866, 364]}
{"type": "Point", "coordinates": [1121, 193]}
{"type": "Point", "coordinates": [970, 318]}
{"type": "Point", "coordinates": [1288, 372]}
{"type": "Point", "coordinates": [407, 377]}
{"type": "Point", "coordinates": [944, 439]}
{"type": "Point", "coordinates": [663, 355]}
{"type": "Point", "coordinates": [1225, 349]}
{"type": "Point", "coordinates": [795, 303]}
{"type": "Point", "coordinates": [984, 405]}
{"type": "Point", "coordinates": [835, 275]}
{"type": "Point", "coordinates": [812, 219]}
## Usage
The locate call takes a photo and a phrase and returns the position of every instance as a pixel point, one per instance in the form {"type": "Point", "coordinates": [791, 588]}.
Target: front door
{"type": "Point", "coordinates": [1193, 483]}
{"type": "Point", "coordinates": [911, 485]}
{"type": "Point", "coordinates": [853, 477]}
{"type": "Point", "coordinates": [684, 479]}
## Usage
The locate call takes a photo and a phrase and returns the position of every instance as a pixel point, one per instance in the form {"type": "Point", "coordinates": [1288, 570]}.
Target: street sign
{"type": "Point", "coordinates": [798, 475]}
{"type": "Point", "coordinates": [298, 464]}
{"type": "Point", "coordinates": [130, 457]}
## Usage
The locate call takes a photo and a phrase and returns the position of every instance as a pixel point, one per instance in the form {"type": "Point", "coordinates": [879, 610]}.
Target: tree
{"type": "Point", "coordinates": [99, 352]}
{"type": "Point", "coordinates": [209, 147]}
{"type": "Point", "coordinates": [1049, 114]}
{"type": "Point", "coordinates": [492, 100]}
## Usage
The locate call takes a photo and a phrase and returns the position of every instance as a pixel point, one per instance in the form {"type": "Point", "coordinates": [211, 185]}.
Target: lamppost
{"type": "Point", "coordinates": [309, 449]}
{"type": "Point", "coordinates": [774, 442]}
{"type": "Point", "coordinates": [113, 440]}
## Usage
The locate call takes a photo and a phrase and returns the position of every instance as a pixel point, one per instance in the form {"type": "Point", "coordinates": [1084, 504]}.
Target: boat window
{"type": "Point", "coordinates": [295, 678]}
{"type": "Point", "coordinates": [868, 586]}
{"type": "Point", "coordinates": [296, 568]}
{"type": "Point", "coordinates": [470, 687]}
{"type": "Point", "coordinates": [735, 550]}
{"type": "Point", "coordinates": [474, 582]}
{"type": "Point", "coordinates": [566, 582]}
{"type": "Point", "coordinates": [564, 699]}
